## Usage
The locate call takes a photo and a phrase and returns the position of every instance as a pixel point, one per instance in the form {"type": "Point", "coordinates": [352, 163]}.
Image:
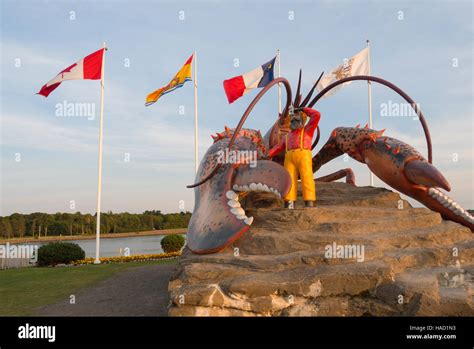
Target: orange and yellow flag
{"type": "Point", "coordinates": [178, 81]}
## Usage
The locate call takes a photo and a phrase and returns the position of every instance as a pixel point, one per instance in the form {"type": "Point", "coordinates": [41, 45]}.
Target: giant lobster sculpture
{"type": "Point", "coordinates": [218, 218]}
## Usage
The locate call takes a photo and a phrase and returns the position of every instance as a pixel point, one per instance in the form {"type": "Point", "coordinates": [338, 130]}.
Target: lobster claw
{"type": "Point", "coordinates": [422, 172]}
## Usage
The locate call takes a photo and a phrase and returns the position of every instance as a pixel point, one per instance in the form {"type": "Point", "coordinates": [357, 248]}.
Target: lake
{"type": "Point", "coordinates": [113, 246]}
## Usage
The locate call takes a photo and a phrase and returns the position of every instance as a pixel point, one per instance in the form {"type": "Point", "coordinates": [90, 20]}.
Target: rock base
{"type": "Point", "coordinates": [362, 252]}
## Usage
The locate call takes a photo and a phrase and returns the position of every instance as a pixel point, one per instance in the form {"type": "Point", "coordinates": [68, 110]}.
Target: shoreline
{"type": "Point", "coordinates": [92, 237]}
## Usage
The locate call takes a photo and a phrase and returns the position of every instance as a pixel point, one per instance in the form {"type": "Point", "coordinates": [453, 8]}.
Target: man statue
{"type": "Point", "coordinates": [298, 157]}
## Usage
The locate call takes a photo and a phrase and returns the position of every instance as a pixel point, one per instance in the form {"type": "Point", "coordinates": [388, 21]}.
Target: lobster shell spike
{"type": "Point", "coordinates": [397, 150]}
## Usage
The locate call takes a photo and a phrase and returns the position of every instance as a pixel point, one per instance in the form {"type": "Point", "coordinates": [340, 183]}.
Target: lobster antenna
{"type": "Point", "coordinates": [236, 131]}
{"type": "Point", "coordinates": [298, 95]}
{"type": "Point", "coordinates": [308, 97]}
{"type": "Point", "coordinates": [395, 88]}
{"type": "Point", "coordinates": [316, 141]}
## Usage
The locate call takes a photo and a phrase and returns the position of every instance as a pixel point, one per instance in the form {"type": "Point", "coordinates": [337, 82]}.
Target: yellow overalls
{"type": "Point", "coordinates": [299, 161]}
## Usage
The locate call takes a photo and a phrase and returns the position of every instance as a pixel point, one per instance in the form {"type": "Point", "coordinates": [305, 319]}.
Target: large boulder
{"type": "Point", "coordinates": [362, 251]}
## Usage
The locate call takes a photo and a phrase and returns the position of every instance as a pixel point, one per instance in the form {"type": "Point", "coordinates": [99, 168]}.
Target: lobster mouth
{"type": "Point", "coordinates": [250, 183]}
{"type": "Point", "coordinates": [219, 218]}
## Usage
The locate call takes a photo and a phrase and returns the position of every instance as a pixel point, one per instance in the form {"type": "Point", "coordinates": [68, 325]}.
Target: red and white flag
{"type": "Point", "coordinates": [88, 68]}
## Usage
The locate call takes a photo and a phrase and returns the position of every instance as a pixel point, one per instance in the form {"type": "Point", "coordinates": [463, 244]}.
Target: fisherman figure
{"type": "Point", "coordinates": [298, 156]}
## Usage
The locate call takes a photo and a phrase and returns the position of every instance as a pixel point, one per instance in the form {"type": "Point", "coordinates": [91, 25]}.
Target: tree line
{"type": "Point", "coordinates": [45, 224]}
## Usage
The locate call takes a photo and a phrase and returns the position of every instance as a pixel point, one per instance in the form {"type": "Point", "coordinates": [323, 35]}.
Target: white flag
{"type": "Point", "coordinates": [357, 65]}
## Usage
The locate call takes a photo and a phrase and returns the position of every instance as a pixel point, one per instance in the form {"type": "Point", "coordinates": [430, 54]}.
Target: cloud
{"type": "Point", "coordinates": [28, 132]}
{"type": "Point", "coordinates": [415, 53]}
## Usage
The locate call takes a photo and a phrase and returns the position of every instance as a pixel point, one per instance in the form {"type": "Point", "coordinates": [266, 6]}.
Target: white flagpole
{"type": "Point", "coordinates": [196, 164]}
{"type": "Point", "coordinates": [369, 91]}
{"type": "Point", "coordinates": [99, 178]}
{"type": "Point", "coordinates": [279, 85]}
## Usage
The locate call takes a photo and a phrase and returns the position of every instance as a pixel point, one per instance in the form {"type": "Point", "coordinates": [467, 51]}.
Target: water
{"type": "Point", "coordinates": [111, 247]}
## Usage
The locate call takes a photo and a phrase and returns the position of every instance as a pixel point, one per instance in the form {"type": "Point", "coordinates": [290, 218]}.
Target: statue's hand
{"type": "Point", "coordinates": [266, 155]}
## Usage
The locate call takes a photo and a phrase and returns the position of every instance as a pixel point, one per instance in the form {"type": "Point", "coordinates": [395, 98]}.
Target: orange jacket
{"type": "Point", "coordinates": [294, 135]}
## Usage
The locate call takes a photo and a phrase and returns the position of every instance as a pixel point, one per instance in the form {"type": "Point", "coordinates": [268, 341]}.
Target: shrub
{"type": "Point", "coordinates": [134, 258]}
{"type": "Point", "coordinates": [59, 252]}
{"type": "Point", "coordinates": [172, 243]}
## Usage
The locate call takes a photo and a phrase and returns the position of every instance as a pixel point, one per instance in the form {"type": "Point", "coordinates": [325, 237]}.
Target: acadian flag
{"type": "Point", "coordinates": [356, 65]}
{"type": "Point", "coordinates": [178, 81]}
{"type": "Point", "coordinates": [240, 85]}
{"type": "Point", "coordinates": [88, 68]}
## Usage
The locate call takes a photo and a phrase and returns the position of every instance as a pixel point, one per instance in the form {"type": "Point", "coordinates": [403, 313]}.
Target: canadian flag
{"type": "Point", "coordinates": [88, 68]}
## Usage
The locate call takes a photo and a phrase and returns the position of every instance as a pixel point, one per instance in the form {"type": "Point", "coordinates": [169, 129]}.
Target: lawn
{"type": "Point", "coordinates": [24, 289]}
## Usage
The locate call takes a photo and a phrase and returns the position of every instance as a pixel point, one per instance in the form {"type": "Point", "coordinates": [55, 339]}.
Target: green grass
{"type": "Point", "coordinates": [24, 289]}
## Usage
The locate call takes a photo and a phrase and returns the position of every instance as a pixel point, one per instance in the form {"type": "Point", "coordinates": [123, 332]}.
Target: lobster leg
{"type": "Point", "coordinates": [347, 172]}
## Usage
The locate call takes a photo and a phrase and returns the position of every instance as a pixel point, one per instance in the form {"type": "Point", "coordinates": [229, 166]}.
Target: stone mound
{"type": "Point", "coordinates": [362, 252]}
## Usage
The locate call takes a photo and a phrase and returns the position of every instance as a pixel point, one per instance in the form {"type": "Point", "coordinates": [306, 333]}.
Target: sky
{"type": "Point", "coordinates": [49, 162]}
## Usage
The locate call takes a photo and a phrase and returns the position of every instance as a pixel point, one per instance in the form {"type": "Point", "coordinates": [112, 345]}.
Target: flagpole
{"type": "Point", "coordinates": [279, 85]}
{"type": "Point", "coordinates": [99, 175]}
{"type": "Point", "coordinates": [196, 165]}
{"type": "Point", "coordinates": [369, 92]}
